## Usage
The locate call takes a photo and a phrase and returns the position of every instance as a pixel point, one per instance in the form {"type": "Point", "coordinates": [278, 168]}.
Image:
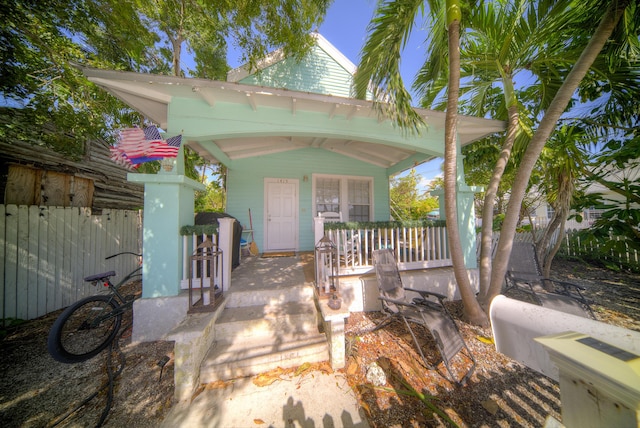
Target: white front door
{"type": "Point", "coordinates": [281, 214]}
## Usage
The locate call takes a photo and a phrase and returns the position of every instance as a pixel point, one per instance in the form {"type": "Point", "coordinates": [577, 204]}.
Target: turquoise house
{"type": "Point", "coordinates": [295, 145]}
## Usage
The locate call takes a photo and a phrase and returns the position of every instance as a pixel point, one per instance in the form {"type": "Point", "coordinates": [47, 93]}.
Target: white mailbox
{"type": "Point", "coordinates": [599, 382]}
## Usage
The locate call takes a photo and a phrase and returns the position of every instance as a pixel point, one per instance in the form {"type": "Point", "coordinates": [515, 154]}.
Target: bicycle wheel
{"type": "Point", "coordinates": [84, 329]}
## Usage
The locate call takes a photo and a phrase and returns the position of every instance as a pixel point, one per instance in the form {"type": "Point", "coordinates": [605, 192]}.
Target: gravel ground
{"type": "Point", "coordinates": [501, 392]}
{"type": "Point", "coordinates": [37, 391]}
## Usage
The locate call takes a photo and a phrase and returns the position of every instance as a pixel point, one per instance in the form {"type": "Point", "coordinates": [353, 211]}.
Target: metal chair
{"type": "Point", "coordinates": [524, 274]}
{"type": "Point", "coordinates": [432, 314]}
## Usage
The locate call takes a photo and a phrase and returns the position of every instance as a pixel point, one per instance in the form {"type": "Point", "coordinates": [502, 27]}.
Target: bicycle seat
{"type": "Point", "coordinates": [100, 276]}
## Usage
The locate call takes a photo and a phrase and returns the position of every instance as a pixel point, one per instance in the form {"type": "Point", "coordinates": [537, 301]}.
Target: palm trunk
{"type": "Point", "coordinates": [472, 310]}
{"type": "Point", "coordinates": [544, 242]}
{"type": "Point", "coordinates": [546, 270]}
{"type": "Point", "coordinates": [547, 125]}
{"type": "Point", "coordinates": [566, 188]}
{"type": "Point", "coordinates": [486, 237]}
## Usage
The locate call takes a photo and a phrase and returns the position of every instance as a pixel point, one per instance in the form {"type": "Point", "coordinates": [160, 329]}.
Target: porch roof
{"type": "Point", "coordinates": [227, 121]}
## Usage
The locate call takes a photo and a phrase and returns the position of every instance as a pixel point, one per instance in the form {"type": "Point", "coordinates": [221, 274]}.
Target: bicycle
{"type": "Point", "coordinates": [87, 327]}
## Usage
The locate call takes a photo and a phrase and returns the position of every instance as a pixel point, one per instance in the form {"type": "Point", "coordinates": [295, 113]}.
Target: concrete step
{"type": "Point", "coordinates": [239, 357]}
{"type": "Point", "coordinates": [296, 318]}
{"type": "Point", "coordinates": [241, 297]}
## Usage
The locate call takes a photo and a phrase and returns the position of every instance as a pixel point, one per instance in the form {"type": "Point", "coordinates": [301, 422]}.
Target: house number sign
{"type": "Point", "coordinates": [283, 181]}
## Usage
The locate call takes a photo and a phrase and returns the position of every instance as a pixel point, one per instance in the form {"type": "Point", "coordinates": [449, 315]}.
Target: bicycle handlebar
{"type": "Point", "coordinates": [124, 252]}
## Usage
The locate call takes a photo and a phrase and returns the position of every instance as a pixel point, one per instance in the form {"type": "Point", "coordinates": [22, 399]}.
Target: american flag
{"type": "Point", "coordinates": [151, 133]}
{"type": "Point", "coordinates": [143, 159]}
{"type": "Point", "coordinates": [166, 149]}
{"type": "Point", "coordinates": [120, 158]}
{"type": "Point", "coordinates": [136, 146]}
{"type": "Point", "coordinates": [133, 142]}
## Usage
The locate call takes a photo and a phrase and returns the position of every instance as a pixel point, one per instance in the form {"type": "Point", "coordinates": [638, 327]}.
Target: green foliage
{"type": "Point", "coordinates": [199, 229]}
{"type": "Point", "coordinates": [379, 67]}
{"type": "Point", "coordinates": [257, 27]}
{"type": "Point", "coordinates": [43, 39]}
{"type": "Point", "coordinates": [615, 169]}
{"type": "Point", "coordinates": [497, 221]}
{"type": "Point", "coordinates": [406, 200]}
{"type": "Point", "coordinates": [479, 159]}
{"type": "Point", "coordinates": [612, 252]}
{"type": "Point", "coordinates": [212, 199]}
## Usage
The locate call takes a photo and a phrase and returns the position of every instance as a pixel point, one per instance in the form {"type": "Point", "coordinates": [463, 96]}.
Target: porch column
{"type": "Point", "coordinates": [466, 213]}
{"type": "Point", "coordinates": [168, 205]}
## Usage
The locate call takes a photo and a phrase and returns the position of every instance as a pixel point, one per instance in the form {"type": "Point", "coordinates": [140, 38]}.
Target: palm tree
{"type": "Point", "coordinates": [552, 114]}
{"type": "Point", "coordinates": [562, 162]}
{"type": "Point", "coordinates": [472, 310]}
{"type": "Point", "coordinates": [503, 40]}
{"type": "Point", "coordinates": [379, 71]}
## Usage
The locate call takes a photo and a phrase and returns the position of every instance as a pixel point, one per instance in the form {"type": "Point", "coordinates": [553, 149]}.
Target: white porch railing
{"type": "Point", "coordinates": [418, 247]}
{"type": "Point", "coordinates": [198, 268]}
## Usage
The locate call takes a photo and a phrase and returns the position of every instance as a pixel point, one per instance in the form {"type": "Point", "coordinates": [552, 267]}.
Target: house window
{"type": "Point", "coordinates": [328, 195]}
{"type": "Point", "coordinates": [550, 212]}
{"type": "Point", "coordinates": [351, 196]}
{"type": "Point", "coordinates": [592, 214]}
{"type": "Point", "coordinates": [359, 199]}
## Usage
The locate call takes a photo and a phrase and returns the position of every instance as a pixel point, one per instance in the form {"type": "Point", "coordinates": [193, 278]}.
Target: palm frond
{"type": "Point", "coordinates": [379, 69]}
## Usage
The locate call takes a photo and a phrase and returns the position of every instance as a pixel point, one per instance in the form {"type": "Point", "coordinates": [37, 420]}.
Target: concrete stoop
{"type": "Point", "coordinates": [264, 332]}
{"type": "Point", "coordinates": [247, 357]}
{"type": "Point", "coordinates": [268, 296]}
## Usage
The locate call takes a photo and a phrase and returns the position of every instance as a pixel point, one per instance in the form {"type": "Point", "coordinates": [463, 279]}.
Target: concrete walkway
{"type": "Point", "coordinates": [311, 399]}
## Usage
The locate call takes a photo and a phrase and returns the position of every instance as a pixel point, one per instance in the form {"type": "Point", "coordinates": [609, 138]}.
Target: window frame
{"type": "Point", "coordinates": [343, 197]}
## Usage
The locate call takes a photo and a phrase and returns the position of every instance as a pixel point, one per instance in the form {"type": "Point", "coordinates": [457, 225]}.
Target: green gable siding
{"type": "Point", "coordinates": [318, 73]}
{"type": "Point", "coordinates": [245, 189]}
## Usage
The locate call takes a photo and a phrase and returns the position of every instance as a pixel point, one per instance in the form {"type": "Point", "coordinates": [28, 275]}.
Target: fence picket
{"type": "Point", "coordinates": [59, 251]}
{"type": "Point", "coordinates": [42, 268]}
{"type": "Point", "coordinates": [22, 277]}
{"type": "Point", "coordinates": [2, 257]}
{"type": "Point", "coordinates": [84, 257]}
{"type": "Point", "coordinates": [65, 280]}
{"type": "Point", "coordinates": [11, 260]}
{"type": "Point", "coordinates": [51, 261]}
{"type": "Point", "coordinates": [33, 233]}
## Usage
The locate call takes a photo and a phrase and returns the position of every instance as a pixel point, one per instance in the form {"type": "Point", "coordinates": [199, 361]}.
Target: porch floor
{"type": "Point", "coordinates": [257, 273]}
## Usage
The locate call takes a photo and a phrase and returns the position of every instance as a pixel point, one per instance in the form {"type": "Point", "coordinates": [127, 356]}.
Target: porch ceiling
{"type": "Point", "coordinates": [152, 94]}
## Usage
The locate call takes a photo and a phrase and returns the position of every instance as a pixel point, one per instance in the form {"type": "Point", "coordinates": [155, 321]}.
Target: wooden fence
{"type": "Point", "coordinates": [47, 251]}
{"type": "Point", "coordinates": [574, 246]}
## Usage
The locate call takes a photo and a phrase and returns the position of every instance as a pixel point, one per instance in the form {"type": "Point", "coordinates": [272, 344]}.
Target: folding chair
{"type": "Point", "coordinates": [432, 314]}
{"type": "Point", "coordinates": [524, 274]}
